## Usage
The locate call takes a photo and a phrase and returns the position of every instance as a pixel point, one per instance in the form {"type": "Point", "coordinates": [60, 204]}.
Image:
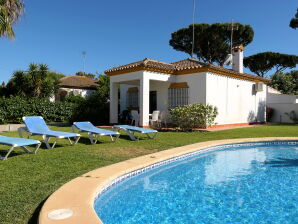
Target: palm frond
{"type": "Point", "coordinates": [5, 25]}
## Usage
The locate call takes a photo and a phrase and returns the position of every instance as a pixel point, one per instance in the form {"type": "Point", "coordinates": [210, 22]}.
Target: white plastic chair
{"type": "Point", "coordinates": [164, 116]}
{"type": "Point", "coordinates": [135, 117]}
{"type": "Point", "coordinates": [155, 118]}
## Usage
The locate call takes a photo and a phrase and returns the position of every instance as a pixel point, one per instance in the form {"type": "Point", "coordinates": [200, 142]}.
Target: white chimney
{"type": "Point", "coordinates": [238, 58]}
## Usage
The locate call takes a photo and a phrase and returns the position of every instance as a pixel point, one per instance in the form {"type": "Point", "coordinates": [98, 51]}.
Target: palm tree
{"type": "Point", "coordinates": [19, 81]}
{"type": "Point", "coordinates": [10, 13]}
{"type": "Point", "coordinates": [38, 74]}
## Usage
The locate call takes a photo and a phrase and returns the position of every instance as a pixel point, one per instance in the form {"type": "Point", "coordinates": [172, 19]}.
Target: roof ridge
{"type": "Point", "coordinates": [79, 76]}
{"type": "Point", "coordinates": [188, 63]}
{"type": "Point", "coordinates": [153, 60]}
{"type": "Point", "coordinates": [192, 59]}
{"type": "Point", "coordinates": [145, 61]}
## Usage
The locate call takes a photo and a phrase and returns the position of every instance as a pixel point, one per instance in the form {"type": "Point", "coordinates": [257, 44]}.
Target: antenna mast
{"type": "Point", "coordinates": [232, 27]}
{"type": "Point", "coordinates": [193, 29]}
{"type": "Point", "coordinates": [84, 60]}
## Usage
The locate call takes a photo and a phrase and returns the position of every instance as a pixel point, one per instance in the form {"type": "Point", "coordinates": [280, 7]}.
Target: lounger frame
{"type": "Point", "coordinates": [95, 137]}
{"type": "Point", "coordinates": [131, 134]}
{"type": "Point", "coordinates": [23, 147]}
{"type": "Point", "coordinates": [46, 138]}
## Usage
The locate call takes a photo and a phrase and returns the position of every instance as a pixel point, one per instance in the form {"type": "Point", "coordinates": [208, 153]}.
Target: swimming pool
{"type": "Point", "coordinates": [240, 183]}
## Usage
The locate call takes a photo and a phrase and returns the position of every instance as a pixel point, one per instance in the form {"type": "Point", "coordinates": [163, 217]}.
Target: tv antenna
{"type": "Point", "coordinates": [229, 58]}
{"type": "Point", "coordinates": [232, 26]}
{"type": "Point", "coordinates": [84, 60]}
{"type": "Point", "coordinates": [193, 28]}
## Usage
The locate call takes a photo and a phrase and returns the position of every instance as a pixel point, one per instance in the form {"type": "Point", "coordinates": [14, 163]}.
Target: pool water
{"type": "Point", "coordinates": [239, 184]}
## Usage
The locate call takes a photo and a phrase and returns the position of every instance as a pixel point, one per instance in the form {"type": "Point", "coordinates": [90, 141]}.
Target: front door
{"type": "Point", "coordinates": [153, 101]}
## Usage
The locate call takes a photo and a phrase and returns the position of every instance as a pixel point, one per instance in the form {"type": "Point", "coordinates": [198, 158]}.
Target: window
{"type": "Point", "coordinates": [178, 95]}
{"type": "Point", "coordinates": [132, 99]}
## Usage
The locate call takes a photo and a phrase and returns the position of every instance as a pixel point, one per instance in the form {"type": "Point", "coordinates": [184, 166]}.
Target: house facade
{"type": "Point", "coordinates": [149, 85]}
{"type": "Point", "coordinates": [76, 85]}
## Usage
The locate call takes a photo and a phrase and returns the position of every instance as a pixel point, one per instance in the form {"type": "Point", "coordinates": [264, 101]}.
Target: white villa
{"type": "Point", "coordinates": [76, 85]}
{"type": "Point", "coordinates": [149, 85]}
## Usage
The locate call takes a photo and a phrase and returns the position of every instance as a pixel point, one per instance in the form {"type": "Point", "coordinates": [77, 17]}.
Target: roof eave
{"type": "Point", "coordinates": [190, 71]}
{"type": "Point", "coordinates": [244, 76]}
{"type": "Point", "coordinates": [136, 69]}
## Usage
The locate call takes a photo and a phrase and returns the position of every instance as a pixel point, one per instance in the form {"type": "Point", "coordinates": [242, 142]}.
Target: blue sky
{"type": "Point", "coordinates": [115, 32]}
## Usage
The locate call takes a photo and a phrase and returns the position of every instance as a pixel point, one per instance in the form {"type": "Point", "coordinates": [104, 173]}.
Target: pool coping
{"type": "Point", "coordinates": [79, 194]}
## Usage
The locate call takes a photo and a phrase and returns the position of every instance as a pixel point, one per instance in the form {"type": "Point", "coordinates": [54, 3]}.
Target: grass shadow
{"type": "Point", "coordinates": [139, 137]}
{"type": "Point", "coordinates": [84, 140]}
{"type": "Point", "coordinates": [3, 153]}
{"type": "Point", "coordinates": [35, 215]}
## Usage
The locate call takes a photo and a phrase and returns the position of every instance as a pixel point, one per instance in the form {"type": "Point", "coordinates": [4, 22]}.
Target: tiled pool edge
{"type": "Point", "coordinates": [79, 194]}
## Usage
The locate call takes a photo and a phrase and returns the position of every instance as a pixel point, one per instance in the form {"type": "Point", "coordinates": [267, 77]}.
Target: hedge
{"type": "Point", "coordinates": [14, 108]}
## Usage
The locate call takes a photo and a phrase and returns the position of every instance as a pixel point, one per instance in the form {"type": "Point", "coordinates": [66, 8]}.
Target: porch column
{"type": "Point", "coordinates": [144, 101]}
{"type": "Point", "coordinates": [113, 103]}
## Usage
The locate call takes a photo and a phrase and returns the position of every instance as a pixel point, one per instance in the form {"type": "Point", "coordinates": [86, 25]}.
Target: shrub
{"type": "Point", "coordinates": [94, 109]}
{"type": "Point", "coordinates": [14, 108]}
{"type": "Point", "coordinates": [74, 108]}
{"type": "Point", "coordinates": [293, 116]}
{"type": "Point", "coordinates": [74, 99]}
{"type": "Point", "coordinates": [194, 116]}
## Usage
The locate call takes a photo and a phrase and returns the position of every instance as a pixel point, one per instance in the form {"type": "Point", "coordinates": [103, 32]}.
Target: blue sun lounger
{"type": "Point", "coordinates": [130, 130]}
{"type": "Point", "coordinates": [93, 131]}
{"type": "Point", "coordinates": [37, 126]}
{"type": "Point", "coordinates": [18, 142]}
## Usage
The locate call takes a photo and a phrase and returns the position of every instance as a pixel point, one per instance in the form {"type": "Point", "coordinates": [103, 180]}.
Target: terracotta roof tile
{"type": "Point", "coordinates": [189, 63]}
{"type": "Point", "coordinates": [178, 67]}
{"type": "Point", "coordinates": [145, 63]}
{"type": "Point", "coordinates": [79, 82]}
{"type": "Point", "coordinates": [230, 71]}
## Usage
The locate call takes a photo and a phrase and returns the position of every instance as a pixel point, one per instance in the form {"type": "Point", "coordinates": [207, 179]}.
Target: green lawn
{"type": "Point", "coordinates": [27, 180]}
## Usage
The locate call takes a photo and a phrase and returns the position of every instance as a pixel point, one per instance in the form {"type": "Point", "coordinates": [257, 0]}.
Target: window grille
{"type": "Point", "coordinates": [132, 99]}
{"type": "Point", "coordinates": [177, 97]}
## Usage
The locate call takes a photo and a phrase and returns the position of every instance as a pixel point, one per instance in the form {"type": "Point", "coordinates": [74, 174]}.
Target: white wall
{"type": "Point", "coordinates": [281, 98]}
{"type": "Point", "coordinates": [81, 92]}
{"type": "Point", "coordinates": [196, 83]}
{"type": "Point", "coordinates": [197, 86]}
{"type": "Point", "coordinates": [235, 100]}
{"type": "Point", "coordinates": [159, 82]}
{"type": "Point", "coordinates": [123, 94]}
{"type": "Point", "coordinates": [133, 76]}
{"type": "Point", "coordinates": [281, 104]}
{"type": "Point", "coordinates": [161, 89]}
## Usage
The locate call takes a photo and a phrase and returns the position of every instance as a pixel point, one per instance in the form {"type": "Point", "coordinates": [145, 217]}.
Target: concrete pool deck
{"type": "Point", "coordinates": [73, 202]}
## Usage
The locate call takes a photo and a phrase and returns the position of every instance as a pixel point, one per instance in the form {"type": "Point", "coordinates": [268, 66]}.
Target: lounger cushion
{"type": "Point", "coordinates": [89, 127]}
{"type": "Point", "coordinates": [59, 134]}
{"type": "Point", "coordinates": [17, 141]}
{"type": "Point", "coordinates": [37, 125]}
